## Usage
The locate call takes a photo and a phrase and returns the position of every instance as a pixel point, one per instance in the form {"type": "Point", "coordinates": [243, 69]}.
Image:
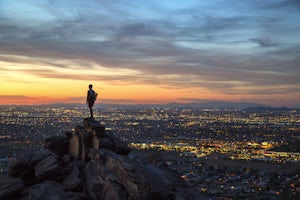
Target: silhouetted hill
{"type": "Point", "coordinates": [268, 109]}
{"type": "Point", "coordinates": [220, 105]}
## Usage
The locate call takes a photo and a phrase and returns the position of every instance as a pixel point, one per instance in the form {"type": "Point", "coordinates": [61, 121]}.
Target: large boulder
{"type": "Point", "coordinates": [91, 125]}
{"type": "Point", "coordinates": [47, 191]}
{"type": "Point", "coordinates": [77, 196]}
{"type": "Point", "coordinates": [24, 167]}
{"type": "Point", "coordinates": [72, 181]}
{"type": "Point", "coordinates": [58, 144]}
{"type": "Point", "coordinates": [92, 136]}
{"type": "Point", "coordinates": [101, 184]}
{"type": "Point", "coordinates": [81, 142]}
{"type": "Point", "coordinates": [11, 188]}
{"type": "Point", "coordinates": [139, 181]}
{"type": "Point", "coordinates": [119, 146]}
{"type": "Point", "coordinates": [49, 168]}
{"type": "Point", "coordinates": [17, 168]}
{"type": "Point", "coordinates": [94, 182]}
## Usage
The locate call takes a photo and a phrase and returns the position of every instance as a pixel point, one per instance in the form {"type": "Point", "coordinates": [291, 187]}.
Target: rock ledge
{"type": "Point", "coordinates": [88, 163]}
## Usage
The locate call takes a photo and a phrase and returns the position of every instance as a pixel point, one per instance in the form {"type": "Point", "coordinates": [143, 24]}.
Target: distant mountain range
{"type": "Point", "coordinates": [209, 105]}
{"type": "Point", "coordinates": [269, 109]}
{"type": "Point", "coordinates": [220, 105]}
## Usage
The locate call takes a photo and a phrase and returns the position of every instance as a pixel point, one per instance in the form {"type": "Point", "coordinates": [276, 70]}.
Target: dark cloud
{"type": "Point", "coordinates": [285, 4]}
{"type": "Point", "coordinates": [264, 42]}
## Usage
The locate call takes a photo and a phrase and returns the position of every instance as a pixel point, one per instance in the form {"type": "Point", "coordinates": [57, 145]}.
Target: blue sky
{"type": "Point", "coordinates": [233, 47]}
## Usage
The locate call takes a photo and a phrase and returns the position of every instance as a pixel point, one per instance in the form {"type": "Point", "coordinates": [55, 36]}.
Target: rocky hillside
{"type": "Point", "coordinates": [87, 163]}
{"type": "Point", "coordinates": [291, 147]}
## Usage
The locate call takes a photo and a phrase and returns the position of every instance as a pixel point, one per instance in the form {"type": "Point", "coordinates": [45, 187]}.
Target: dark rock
{"type": "Point", "coordinates": [80, 164]}
{"type": "Point", "coordinates": [72, 181]}
{"type": "Point", "coordinates": [112, 143]}
{"type": "Point", "coordinates": [94, 182]}
{"type": "Point", "coordinates": [87, 140]}
{"type": "Point", "coordinates": [139, 180]}
{"type": "Point", "coordinates": [120, 147]}
{"type": "Point", "coordinates": [49, 168]}
{"type": "Point", "coordinates": [80, 144]}
{"type": "Point", "coordinates": [94, 126]}
{"type": "Point", "coordinates": [68, 134]}
{"type": "Point", "coordinates": [93, 136]}
{"type": "Point", "coordinates": [25, 165]}
{"type": "Point", "coordinates": [131, 179]}
{"type": "Point", "coordinates": [58, 144]}
{"type": "Point", "coordinates": [106, 143]}
{"type": "Point", "coordinates": [47, 191]}
{"type": "Point", "coordinates": [17, 168]}
{"type": "Point", "coordinates": [11, 188]}
{"type": "Point", "coordinates": [76, 163]}
{"type": "Point", "coordinates": [111, 182]}
{"type": "Point", "coordinates": [40, 155]}
{"type": "Point", "coordinates": [77, 196]}
{"type": "Point", "coordinates": [67, 158]}
{"type": "Point", "coordinates": [73, 148]}
{"type": "Point", "coordinates": [101, 184]}
{"type": "Point", "coordinates": [28, 176]}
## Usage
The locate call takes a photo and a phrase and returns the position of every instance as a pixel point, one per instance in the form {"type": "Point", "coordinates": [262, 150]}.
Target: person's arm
{"type": "Point", "coordinates": [87, 97]}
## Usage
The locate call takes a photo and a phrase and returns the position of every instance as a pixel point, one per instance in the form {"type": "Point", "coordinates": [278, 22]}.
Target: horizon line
{"type": "Point", "coordinates": [149, 104]}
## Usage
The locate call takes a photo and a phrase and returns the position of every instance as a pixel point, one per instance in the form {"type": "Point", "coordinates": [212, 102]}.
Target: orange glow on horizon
{"type": "Point", "coordinates": [21, 86]}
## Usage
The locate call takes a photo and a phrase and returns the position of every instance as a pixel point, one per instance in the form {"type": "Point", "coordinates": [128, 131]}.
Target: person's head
{"type": "Point", "coordinates": [90, 86]}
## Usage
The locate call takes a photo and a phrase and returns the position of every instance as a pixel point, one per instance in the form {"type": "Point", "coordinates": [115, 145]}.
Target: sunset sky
{"type": "Point", "coordinates": [154, 51]}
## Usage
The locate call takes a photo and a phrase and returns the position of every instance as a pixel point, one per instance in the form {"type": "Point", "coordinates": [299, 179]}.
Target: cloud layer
{"type": "Point", "coordinates": [236, 47]}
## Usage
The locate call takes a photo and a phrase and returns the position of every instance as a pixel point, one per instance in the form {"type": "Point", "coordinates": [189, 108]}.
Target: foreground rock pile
{"type": "Point", "coordinates": [87, 163]}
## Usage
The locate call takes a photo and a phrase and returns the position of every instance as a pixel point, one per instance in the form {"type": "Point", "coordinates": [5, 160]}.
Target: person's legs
{"type": "Point", "coordinates": [91, 111]}
{"type": "Point", "coordinates": [91, 104]}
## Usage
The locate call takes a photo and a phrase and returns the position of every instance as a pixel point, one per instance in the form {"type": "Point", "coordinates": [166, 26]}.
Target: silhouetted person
{"type": "Point", "coordinates": [90, 99]}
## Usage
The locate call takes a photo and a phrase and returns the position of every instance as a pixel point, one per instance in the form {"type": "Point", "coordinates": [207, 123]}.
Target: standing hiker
{"type": "Point", "coordinates": [90, 99]}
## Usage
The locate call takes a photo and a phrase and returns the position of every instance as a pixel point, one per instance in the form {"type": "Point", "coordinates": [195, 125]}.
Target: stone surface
{"type": "Point", "coordinates": [72, 181]}
{"type": "Point", "coordinates": [94, 126]}
{"type": "Point", "coordinates": [58, 144]}
{"type": "Point", "coordinates": [67, 158]}
{"type": "Point", "coordinates": [17, 168]}
{"type": "Point", "coordinates": [48, 168]}
{"type": "Point", "coordinates": [47, 191]}
{"type": "Point", "coordinates": [101, 184]}
{"type": "Point", "coordinates": [119, 146]}
{"type": "Point", "coordinates": [92, 136]}
{"type": "Point", "coordinates": [94, 182]}
{"type": "Point", "coordinates": [106, 143]}
{"type": "Point", "coordinates": [11, 188]}
{"type": "Point", "coordinates": [139, 181]}
{"type": "Point", "coordinates": [73, 148]}
{"type": "Point", "coordinates": [77, 196]}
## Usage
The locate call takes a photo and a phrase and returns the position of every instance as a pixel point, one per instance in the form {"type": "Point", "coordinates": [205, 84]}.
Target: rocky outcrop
{"type": "Point", "coordinates": [11, 188]}
{"type": "Point", "coordinates": [88, 163]}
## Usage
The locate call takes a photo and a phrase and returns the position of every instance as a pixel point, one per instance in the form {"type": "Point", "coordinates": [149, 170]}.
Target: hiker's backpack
{"type": "Point", "coordinates": [93, 95]}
